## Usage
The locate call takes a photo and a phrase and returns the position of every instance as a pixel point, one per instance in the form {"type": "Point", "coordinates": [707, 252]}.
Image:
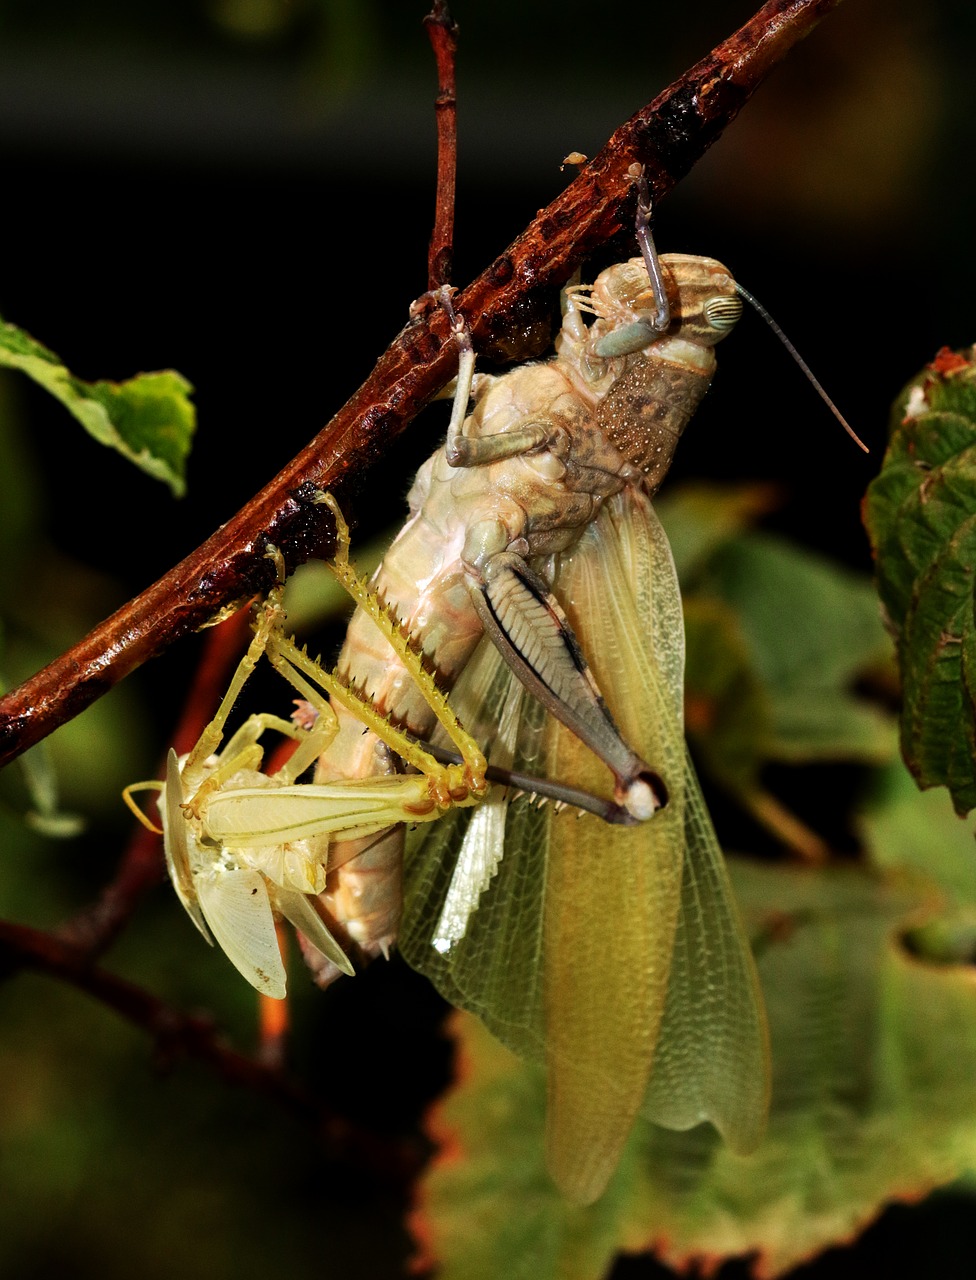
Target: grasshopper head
{"type": "Point", "coordinates": [701, 292]}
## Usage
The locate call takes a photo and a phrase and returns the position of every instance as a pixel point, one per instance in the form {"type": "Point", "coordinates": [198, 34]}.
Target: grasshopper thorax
{"type": "Point", "coordinates": [649, 384]}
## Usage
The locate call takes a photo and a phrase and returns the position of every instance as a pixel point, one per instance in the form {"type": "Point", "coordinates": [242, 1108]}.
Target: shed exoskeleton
{"type": "Point", "coordinates": [533, 578]}
{"type": "Point", "coordinates": [244, 846]}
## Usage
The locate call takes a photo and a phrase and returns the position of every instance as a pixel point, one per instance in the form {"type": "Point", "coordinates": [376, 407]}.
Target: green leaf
{"type": "Point", "coordinates": [874, 1057]}
{"type": "Point", "coordinates": [699, 518]}
{"type": "Point", "coordinates": [812, 629]}
{"type": "Point", "coordinates": [918, 834]}
{"type": "Point", "coordinates": [920, 513]}
{"type": "Point", "coordinates": [728, 716]}
{"type": "Point", "coordinates": [149, 419]}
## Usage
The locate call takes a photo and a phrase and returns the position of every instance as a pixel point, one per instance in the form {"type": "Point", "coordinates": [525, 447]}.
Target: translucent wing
{"type": "Point", "coordinates": [712, 1059]}
{"type": "Point", "coordinates": [586, 933]}
{"type": "Point", "coordinates": [482, 843]}
{"type": "Point", "coordinates": [236, 907]}
{"type": "Point", "coordinates": [495, 968]}
{"type": "Point", "coordinates": [613, 894]}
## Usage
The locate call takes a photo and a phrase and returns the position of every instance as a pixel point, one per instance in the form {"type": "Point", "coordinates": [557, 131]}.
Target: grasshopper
{"type": "Point", "coordinates": [534, 576]}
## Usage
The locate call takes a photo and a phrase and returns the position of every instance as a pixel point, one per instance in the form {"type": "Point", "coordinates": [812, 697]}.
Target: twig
{"type": "Point", "coordinates": [666, 137]}
{"type": "Point", "coordinates": [442, 31]}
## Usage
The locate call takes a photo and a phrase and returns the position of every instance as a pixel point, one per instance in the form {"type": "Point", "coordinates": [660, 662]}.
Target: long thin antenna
{"type": "Point", "coordinates": [758, 306]}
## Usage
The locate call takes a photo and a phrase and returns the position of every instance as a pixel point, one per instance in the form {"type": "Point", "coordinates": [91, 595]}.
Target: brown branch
{"type": "Point", "coordinates": [177, 1035]}
{"type": "Point", "coordinates": [667, 138]}
{"type": "Point", "coordinates": [442, 31]}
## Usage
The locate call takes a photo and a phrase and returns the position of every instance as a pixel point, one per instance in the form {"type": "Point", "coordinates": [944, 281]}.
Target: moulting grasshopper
{"type": "Point", "coordinates": [612, 951]}
{"type": "Point", "coordinates": [603, 950]}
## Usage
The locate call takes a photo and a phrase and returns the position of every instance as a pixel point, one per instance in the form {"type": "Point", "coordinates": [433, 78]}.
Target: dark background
{"type": "Point", "coordinates": [243, 190]}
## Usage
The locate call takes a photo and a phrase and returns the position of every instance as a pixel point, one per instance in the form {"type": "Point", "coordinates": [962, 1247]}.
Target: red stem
{"type": "Point", "coordinates": [442, 31]}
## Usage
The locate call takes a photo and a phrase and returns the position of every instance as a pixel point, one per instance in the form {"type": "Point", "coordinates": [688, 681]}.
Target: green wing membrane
{"type": "Point", "coordinates": [603, 951]}
{"type": "Point", "coordinates": [612, 900]}
{"type": "Point", "coordinates": [495, 969]}
{"type": "Point", "coordinates": [712, 1056]}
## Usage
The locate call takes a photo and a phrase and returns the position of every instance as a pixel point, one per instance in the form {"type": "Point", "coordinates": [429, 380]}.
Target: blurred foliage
{"type": "Point", "coordinates": [777, 641]}
{"type": "Point", "coordinates": [47, 600]}
{"type": "Point", "coordinates": [874, 1059]}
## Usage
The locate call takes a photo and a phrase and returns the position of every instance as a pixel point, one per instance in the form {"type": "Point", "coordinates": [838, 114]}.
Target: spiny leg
{"type": "Point", "coordinates": [268, 629]}
{"type": "Point", "coordinates": [290, 660]}
{"type": "Point", "coordinates": [533, 635]}
{"type": "Point", "coordinates": [269, 618]}
{"type": "Point", "coordinates": [471, 778]}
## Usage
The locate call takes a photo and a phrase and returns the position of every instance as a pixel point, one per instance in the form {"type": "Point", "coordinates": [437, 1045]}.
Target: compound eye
{"type": "Point", "coordinates": [723, 312]}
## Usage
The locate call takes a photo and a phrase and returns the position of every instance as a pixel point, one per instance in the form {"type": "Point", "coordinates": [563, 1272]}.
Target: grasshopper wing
{"type": "Point", "coordinates": [711, 1054]}
{"type": "Point", "coordinates": [712, 1060]}
{"type": "Point", "coordinates": [474, 882]}
{"type": "Point", "coordinates": [593, 950]}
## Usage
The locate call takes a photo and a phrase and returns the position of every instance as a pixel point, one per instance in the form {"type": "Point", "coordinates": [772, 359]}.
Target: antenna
{"type": "Point", "coordinates": [758, 306]}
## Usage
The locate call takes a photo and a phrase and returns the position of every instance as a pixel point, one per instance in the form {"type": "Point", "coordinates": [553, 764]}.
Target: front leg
{"type": "Point", "coordinates": [267, 624]}
{"type": "Point", "coordinates": [477, 451]}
